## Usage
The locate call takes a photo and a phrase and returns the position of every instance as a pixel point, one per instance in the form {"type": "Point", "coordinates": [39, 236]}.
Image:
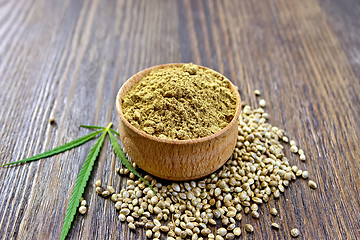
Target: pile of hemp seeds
{"type": "Point", "coordinates": [213, 207]}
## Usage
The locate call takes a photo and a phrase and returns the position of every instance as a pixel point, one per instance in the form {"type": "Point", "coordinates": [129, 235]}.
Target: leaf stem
{"type": "Point", "coordinates": [108, 127]}
{"type": "Point", "coordinates": [91, 127]}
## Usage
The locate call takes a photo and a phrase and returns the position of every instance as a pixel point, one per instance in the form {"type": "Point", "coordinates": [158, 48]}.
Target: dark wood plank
{"type": "Point", "coordinates": [67, 59]}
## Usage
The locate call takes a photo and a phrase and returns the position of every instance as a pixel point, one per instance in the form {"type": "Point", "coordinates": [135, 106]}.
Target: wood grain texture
{"type": "Point", "coordinates": [68, 59]}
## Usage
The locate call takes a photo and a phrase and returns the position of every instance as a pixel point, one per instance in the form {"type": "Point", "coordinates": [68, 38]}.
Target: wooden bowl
{"type": "Point", "coordinates": [178, 160]}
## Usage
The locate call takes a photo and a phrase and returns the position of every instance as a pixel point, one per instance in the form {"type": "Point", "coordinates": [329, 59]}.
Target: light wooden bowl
{"type": "Point", "coordinates": [178, 160]}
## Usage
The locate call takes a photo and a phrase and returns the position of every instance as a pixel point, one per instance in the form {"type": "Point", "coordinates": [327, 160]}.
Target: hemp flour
{"type": "Point", "coordinates": [185, 102]}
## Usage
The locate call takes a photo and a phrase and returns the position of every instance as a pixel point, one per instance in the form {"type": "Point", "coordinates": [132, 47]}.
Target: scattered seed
{"type": "Point", "coordinates": [154, 200]}
{"type": "Point", "coordinates": [254, 207]}
{"type": "Point", "coordinates": [105, 193]}
{"type": "Point", "coordinates": [148, 233]}
{"type": "Point", "coordinates": [257, 92]}
{"type": "Point", "coordinates": [122, 217]}
{"type": "Point", "coordinates": [83, 203]}
{"type": "Point", "coordinates": [295, 232]}
{"type": "Point", "coordinates": [125, 211]}
{"type": "Point", "coordinates": [99, 190]}
{"type": "Point", "coordinates": [176, 187]}
{"type": "Point", "coordinates": [164, 228]}
{"type": "Point", "coordinates": [221, 231]}
{"type": "Point", "coordinates": [273, 211]}
{"type": "Point", "coordinates": [302, 157]}
{"type": "Point", "coordinates": [257, 169]}
{"type": "Point", "coordinates": [157, 234]}
{"type": "Point", "coordinates": [246, 210]}
{"type": "Point", "coordinates": [205, 231]}
{"type": "Point", "coordinates": [82, 209]}
{"type": "Point", "coordinates": [275, 226]}
{"type": "Point", "coordinates": [110, 189]}
{"type": "Point", "coordinates": [212, 221]}
{"type": "Point", "coordinates": [257, 200]}
{"type": "Point", "coordinates": [218, 237]}
{"type": "Point", "coordinates": [237, 231]}
{"type": "Point", "coordinates": [129, 219]}
{"type": "Point", "coordinates": [230, 236]}
{"type": "Point", "coordinates": [98, 183]}
{"type": "Point", "coordinates": [249, 228]}
{"type": "Point", "coordinates": [312, 184]}
{"type": "Point", "coordinates": [293, 149]}
{"type": "Point", "coordinates": [132, 226]}
{"type": "Point", "coordinates": [52, 120]}
{"type": "Point", "coordinates": [114, 197]}
{"type": "Point", "coordinates": [171, 234]}
{"type": "Point", "coordinates": [262, 103]}
{"type": "Point", "coordinates": [305, 174]}
{"type": "Point", "coordinates": [255, 214]}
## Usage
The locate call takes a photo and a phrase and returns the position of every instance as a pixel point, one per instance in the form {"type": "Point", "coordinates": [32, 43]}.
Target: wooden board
{"type": "Point", "coordinates": [67, 59]}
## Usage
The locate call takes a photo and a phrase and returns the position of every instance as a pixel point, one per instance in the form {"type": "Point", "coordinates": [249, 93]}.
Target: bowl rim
{"type": "Point", "coordinates": [176, 141]}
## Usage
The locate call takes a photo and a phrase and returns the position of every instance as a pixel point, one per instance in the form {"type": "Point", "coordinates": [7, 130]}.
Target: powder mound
{"type": "Point", "coordinates": [185, 102]}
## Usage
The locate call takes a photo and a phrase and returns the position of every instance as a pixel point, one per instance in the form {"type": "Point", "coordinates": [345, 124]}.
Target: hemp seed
{"type": "Point", "coordinates": [237, 231]}
{"type": "Point", "coordinates": [293, 149]}
{"type": "Point", "coordinates": [110, 189]}
{"type": "Point", "coordinates": [83, 203]}
{"type": "Point", "coordinates": [99, 190]}
{"type": "Point", "coordinates": [148, 233]}
{"type": "Point", "coordinates": [275, 226]}
{"type": "Point", "coordinates": [305, 174]}
{"type": "Point", "coordinates": [218, 237]}
{"type": "Point", "coordinates": [98, 183]}
{"type": "Point", "coordinates": [257, 170]}
{"type": "Point", "coordinates": [273, 211]}
{"type": "Point", "coordinates": [230, 236]}
{"type": "Point", "coordinates": [249, 228]}
{"type": "Point", "coordinates": [221, 231]}
{"type": "Point", "coordinates": [105, 193]}
{"type": "Point", "coordinates": [82, 209]}
{"type": "Point", "coordinates": [122, 217]}
{"type": "Point", "coordinates": [255, 214]}
{"type": "Point", "coordinates": [312, 184]}
{"type": "Point", "coordinates": [295, 232]}
{"type": "Point", "coordinates": [262, 103]}
{"type": "Point", "coordinates": [52, 120]}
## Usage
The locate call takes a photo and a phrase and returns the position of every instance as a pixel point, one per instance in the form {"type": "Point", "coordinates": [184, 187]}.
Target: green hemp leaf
{"type": "Point", "coordinates": [57, 150]}
{"type": "Point", "coordinates": [80, 183]}
{"type": "Point", "coordinates": [86, 168]}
